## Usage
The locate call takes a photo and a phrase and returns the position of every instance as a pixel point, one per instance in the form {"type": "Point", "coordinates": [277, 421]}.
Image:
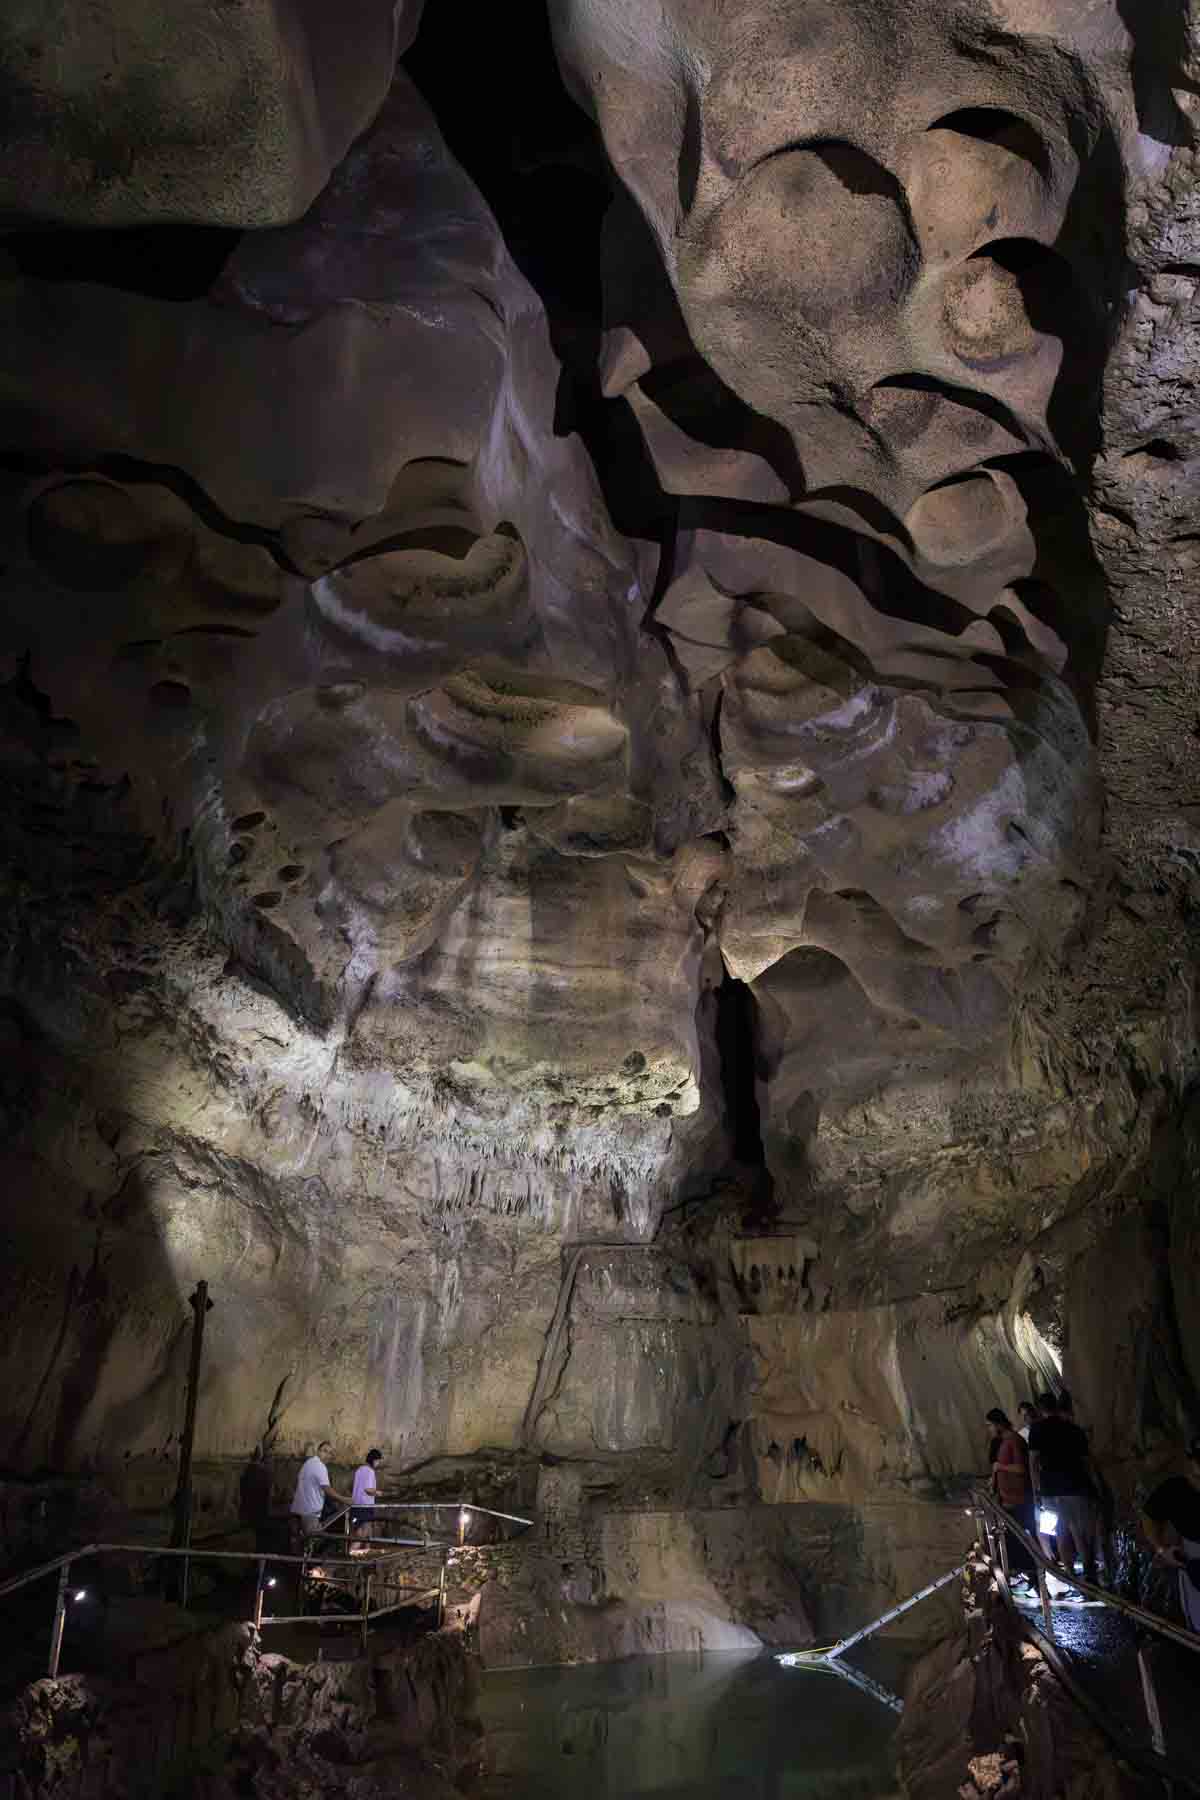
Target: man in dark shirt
{"type": "Point", "coordinates": [1062, 1478]}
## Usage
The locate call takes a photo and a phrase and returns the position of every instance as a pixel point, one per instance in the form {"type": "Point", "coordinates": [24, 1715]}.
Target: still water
{"type": "Point", "coordinates": [719, 1727]}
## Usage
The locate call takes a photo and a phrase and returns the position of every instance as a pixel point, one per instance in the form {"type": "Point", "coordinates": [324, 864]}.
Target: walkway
{"type": "Point", "coordinates": [339, 1582]}
{"type": "Point", "coordinates": [1137, 1674]}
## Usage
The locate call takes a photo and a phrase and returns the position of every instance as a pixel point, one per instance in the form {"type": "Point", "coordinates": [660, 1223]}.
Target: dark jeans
{"type": "Point", "coordinates": [1019, 1560]}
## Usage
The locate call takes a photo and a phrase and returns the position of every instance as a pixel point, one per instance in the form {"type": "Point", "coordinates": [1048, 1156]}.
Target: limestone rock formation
{"type": "Point", "coordinates": [599, 715]}
{"type": "Point", "coordinates": [987, 1718]}
{"type": "Point", "coordinates": [220, 1711]}
{"type": "Point", "coordinates": [122, 115]}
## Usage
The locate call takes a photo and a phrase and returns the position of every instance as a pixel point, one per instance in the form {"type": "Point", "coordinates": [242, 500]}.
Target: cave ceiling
{"type": "Point", "coordinates": [592, 602]}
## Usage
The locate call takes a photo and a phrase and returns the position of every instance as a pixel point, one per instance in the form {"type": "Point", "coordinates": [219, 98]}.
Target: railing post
{"type": "Point", "coordinates": [1150, 1696]}
{"type": "Point", "coordinates": [979, 1526]}
{"type": "Point", "coordinates": [258, 1593]}
{"type": "Point", "coordinates": [60, 1621]}
{"type": "Point", "coordinates": [366, 1611]}
{"type": "Point", "coordinates": [442, 1592]}
{"type": "Point", "coordinates": [1002, 1540]}
{"type": "Point", "coordinates": [1044, 1595]}
{"type": "Point", "coordinates": [990, 1534]}
{"type": "Point", "coordinates": [181, 1536]}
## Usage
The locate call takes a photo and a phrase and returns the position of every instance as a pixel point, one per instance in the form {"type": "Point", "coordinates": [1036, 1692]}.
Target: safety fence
{"type": "Point", "coordinates": [830, 1658]}
{"type": "Point", "coordinates": [995, 1528]}
{"type": "Point", "coordinates": [464, 1514]}
{"type": "Point", "coordinates": [380, 1575]}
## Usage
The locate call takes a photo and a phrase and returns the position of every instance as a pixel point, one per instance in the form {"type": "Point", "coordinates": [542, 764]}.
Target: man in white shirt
{"type": "Point", "coordinates": [365, 1493]}
{"type": "Point", "coordinates": [313, 1488]}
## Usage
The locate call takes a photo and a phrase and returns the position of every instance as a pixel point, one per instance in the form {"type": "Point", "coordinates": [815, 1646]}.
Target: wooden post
{"type": "Point", "coordinates": [258, 1593]}
{"type": "Point", "coordinates": [60, 1620]}
{"type": "Point", "coordinates": [181, 1535]}
{"type": "Point", "coordinates": [366, 1611]}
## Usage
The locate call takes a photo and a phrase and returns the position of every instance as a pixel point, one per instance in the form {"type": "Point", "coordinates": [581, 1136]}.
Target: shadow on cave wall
{"type": "Point", "coordinates": [1125, 1271]}
{"type": "Point", "coordinates": [588, 253]}
{"type": "Point", "coordinates": [542, 168]}
{"type": "Point", "coordinates": [86, 1265]}
{"type": "Point", "coordinates": [1161, 56]}
{"type": "Point", "coordinates": [96, 1326]}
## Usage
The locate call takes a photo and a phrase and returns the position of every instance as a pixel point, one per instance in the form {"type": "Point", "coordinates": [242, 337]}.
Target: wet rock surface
{"type": "Point", "coordinates": [598, 716]}
{"type": "Point", "coordinates": [986, 1718]}
{"type": "Point", "coordinates": [221, 1717]}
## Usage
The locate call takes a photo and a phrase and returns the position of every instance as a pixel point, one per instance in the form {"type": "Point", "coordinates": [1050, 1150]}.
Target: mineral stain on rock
{"type": "Point", "coordinates": [599, 731]}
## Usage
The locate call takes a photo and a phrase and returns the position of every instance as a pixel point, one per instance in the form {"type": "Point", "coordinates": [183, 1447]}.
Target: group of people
{"type": "Point", "coordinates": [314, 1488]}
{"type": "Point", "coordinates": [1042, 1473]}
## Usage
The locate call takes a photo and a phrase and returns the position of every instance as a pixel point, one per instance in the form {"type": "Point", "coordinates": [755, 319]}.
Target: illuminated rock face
{"type": "Point", "coordinates": [430, 687]}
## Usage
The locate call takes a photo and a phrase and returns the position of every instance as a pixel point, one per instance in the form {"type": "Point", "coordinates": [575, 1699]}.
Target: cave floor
{"type": "Point", "coordinates": [1101, 1649]}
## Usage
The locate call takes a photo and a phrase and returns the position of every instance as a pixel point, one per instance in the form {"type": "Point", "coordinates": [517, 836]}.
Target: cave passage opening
{"type": "Point", "coordinates": [737, 1052]}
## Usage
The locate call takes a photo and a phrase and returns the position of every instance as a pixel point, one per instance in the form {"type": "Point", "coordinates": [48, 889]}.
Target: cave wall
{"type": "Point", "coordinates": [490, 588]}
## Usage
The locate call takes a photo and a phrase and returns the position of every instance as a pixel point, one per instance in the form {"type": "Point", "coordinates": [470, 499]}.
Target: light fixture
{"type": "Point", "coordinates": [81, 1593]}
{"type": "Point", "coordinates": [270, 1581]}
{"type": "Point", "coordinates": [464, 1518]}
{"type": "Point", "coordinates": [1047, 1521]}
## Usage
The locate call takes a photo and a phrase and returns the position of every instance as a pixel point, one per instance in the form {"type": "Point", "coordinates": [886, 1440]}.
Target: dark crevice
{"type": "Point", "coordinates": [888, 582]}
{"type": "Point", "coordinates": [530, 163]}
{"type": "Point", "coordinates": [993, 125]}
{"type": "Point", "coordinates": [858, 172]}
{"type": "Point", "coordinates": [692, 396]}
{"type": "Point", "coordinates": [132, 472]}
{"type": "Point", "coordinates": [690, 150]}
{"type": "Point", "coordinates": [1157, 450]}
{"type": "Point", "coordinates": [454, 542]}
{"type": "Point", "coordinates": [164, 262]}
{"type": "Point", "coordinates": [728, 791]}
{"type": "Point", "coordinates": [736, 1050]}
{"type": "Point", "coordinates": [1161, 56]}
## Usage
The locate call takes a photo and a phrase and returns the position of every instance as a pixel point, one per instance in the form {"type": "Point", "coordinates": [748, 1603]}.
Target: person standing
{"type": "Point", "coordinates": [1029, 1417]}
{"type": "Point", "coordinates": [1064, 1484]}
{"type": "Point", "coordinates": [1011, 1483]}
{"type": "Point", "coordinates": [313, 1488]}
{"type": "Point", "coordinates": [365, 1493]}
{"type": "Point", "coordinates": [1171, 1522]}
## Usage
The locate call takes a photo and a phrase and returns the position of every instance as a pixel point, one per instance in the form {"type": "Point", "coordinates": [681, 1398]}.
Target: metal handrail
{"type": "Point", "coordinates": [1151, 1620]}
{"type": "Point", "coordinates": [84, 1550]}
{"type": "Point", "coordinates": [997, 1524]}
{"type": "Point", "coordinates": [468, 1506]}
{"type": "Point", "coordinates": [831, 1659]}
{"type": "Point", "coordinates": [359, 1564]}
{"type": "Point", "coordinates": [894, 1612]}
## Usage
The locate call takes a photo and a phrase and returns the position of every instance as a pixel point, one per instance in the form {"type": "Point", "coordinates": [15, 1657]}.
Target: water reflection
{"type": "Point", "coordinates": [718, 1727]}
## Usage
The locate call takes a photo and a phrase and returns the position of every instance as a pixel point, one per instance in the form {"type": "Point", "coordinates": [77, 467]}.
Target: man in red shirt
{"type": "Point", "coordinates": [1010, 1480]}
